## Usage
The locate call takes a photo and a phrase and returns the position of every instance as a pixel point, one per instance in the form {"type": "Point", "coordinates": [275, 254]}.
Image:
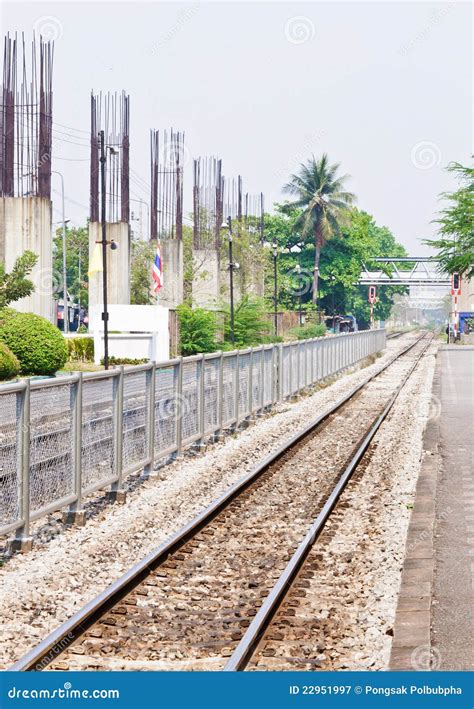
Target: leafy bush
{"type": "Point", "coordinates": [197, 330]}
{"type": "Point", "coordinates": [250, 325]}
{"type": "Point", "coordinates": [125, 360]}
{"type": "Point", "coordinates": [81, 349]}
{"type": "Point", "coordinates": [39, 346]}
{"type": "Point", "coordinates": [9, 364]}
{"type": "Point", "coordinates": [307, 332]}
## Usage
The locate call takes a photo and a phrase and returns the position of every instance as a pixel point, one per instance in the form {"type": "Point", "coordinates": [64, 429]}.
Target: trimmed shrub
{"type": "Point", "coordinates": [39, 346]}
{"type": "Point", "coordinates": [125, 360]}
{"type": "Point", "coordinates": [307, 332]}
{"type": "Point", "coordinates": [9, 364]}
{"type": "Point", "coordinates": [80, 349]}
{"type": "Point", "coordinates": [197, 330]}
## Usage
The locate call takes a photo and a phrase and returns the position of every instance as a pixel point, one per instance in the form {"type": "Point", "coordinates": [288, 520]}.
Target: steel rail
{"type": "Point", "coordinates": [57, 641]}
{"type": "Point", "coordinates": [248, 644]}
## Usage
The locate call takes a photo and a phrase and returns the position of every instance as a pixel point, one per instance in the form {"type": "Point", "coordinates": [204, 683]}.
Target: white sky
{"type": "Point", "coordinates": [384, 88]}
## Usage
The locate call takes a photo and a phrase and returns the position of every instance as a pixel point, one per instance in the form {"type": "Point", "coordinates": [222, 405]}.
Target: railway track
{"type": "Point", "coordinates": [204, 598]}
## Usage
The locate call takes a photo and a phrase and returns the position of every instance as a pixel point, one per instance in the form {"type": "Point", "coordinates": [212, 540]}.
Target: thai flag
{"type": "Point", "coordinates": [157, 270]}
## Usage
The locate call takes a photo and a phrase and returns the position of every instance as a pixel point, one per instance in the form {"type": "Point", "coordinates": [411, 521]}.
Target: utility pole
{"type": "Point", "coordinates": [65, 299]}
{"type": "Point", "coordinates": [105, 314]}
{"type": "Point", "coordinates": [231, 278]}
{"type": "Point", "coordinates": [275, 287]}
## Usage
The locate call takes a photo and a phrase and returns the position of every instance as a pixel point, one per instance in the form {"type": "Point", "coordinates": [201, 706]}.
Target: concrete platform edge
{"type": "Point", "coordinates": [411, 645]}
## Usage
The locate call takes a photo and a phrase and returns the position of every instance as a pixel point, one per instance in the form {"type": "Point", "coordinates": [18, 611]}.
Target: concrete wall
{"type": "Point", "coordinates": [466, 299]}
{"type": "Point", "coordinates": [25, 224]}
{"type": "Point", "coordinates": [144, 346]}
{"type": "Point", "coordinates": [130, 318]}
{"type": "Point", "coordinates": [136, 331]}
{"type": "Point", "coordinates": [171, 293]}
{"type": "Point", "coordinates": [118, 265]}
{"type": "Point", "coordinates": [206, 281]}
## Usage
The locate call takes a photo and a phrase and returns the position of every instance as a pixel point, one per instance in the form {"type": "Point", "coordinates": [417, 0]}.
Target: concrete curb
{"type": "Point", "coordinates": [411, 645]}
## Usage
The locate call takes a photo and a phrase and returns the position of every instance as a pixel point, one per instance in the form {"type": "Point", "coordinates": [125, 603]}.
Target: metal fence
{"type": "Point", "coordinates": [62, 439]}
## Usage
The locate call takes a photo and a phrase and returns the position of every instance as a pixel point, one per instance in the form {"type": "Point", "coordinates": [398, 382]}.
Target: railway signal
{"type": "Point", "coordinates": [455, 284]}
{"type": "Point", "coordinates": [372, 299]}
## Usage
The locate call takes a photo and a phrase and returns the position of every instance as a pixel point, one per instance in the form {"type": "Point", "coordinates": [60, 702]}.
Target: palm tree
{"type": "Point", "coordinates": [325, 203]}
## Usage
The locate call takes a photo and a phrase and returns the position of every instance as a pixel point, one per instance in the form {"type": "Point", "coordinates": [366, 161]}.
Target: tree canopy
{"type": "Point", "coordinates": [16, 285]}
{"type": "Point", "coordinates": [455, 243]}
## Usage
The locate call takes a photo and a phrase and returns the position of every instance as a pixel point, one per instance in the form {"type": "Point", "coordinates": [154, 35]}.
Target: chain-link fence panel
{"type": "Point", "coordinates": [190, 399]}
{"type": "Point", "coordinates": [268, 376]}
{"type": "Point", "coordinates": [211, 394]}
{"type": "Point", "coordinates": [257, 383]}
{"type": "Point", "coordinates": [10, 462]}
{"type": "Point", "coordinates": [51, 445]}
{"type": "Point", "coordinates": [294, 368]}
{"type": "Point", "coordinates": [134, 419]}
{"type": "Point", "coordinates": [228, 389]}
{"type": "Point", "coordinates": [98, 431]}
{"type": "Point", "coordinates": [300, 365]}
{"type": "Point", "coordinates": [285, 374]}
{"type": "Point", "coordinates": [166, 408]}
{"type": "Point", "coordinates": [308, 361]}
{"type": "Point", "coordinates": [244, 369]}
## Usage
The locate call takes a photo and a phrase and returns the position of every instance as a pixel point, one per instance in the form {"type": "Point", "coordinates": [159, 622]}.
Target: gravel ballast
{"type": "Point", "coordinates": [45, 587]}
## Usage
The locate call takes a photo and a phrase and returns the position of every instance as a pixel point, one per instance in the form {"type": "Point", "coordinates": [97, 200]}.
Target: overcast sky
{"type": "Point", "coordinates": [384, 88]}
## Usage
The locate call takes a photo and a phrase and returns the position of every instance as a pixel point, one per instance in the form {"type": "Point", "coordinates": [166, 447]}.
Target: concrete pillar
{"type": "Point", "coordinates": [25, 224]}
{"type": "Point", "coordinates": [171, 294]}
{"type": "Point", "coordinates": [118, 265]}
{"type": "Point", "coordinates": [207, 278]}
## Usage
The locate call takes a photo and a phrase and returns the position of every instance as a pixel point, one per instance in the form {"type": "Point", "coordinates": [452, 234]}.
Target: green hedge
{"type": "Point", "coordinates": [81, 349]}
{"type": "Point", "coordinates": [9, 364]}
{"type": "Point", "coordinates": [39, 346]}
{"type": "Point", "coordinates": [307, 332]}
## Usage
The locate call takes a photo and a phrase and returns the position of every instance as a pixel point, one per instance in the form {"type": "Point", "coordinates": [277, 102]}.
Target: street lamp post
{"type": "Point", "coordinates": [105, 313]}
{"type": "Point", "coordinates": [65, 299]}
{"type": "Point", "coordinates": [275, 287]}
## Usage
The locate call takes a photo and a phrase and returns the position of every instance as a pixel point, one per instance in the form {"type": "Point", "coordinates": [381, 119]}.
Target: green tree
{"type": "Point", "coordinates": [15, 285]}
{"type": "Point", "coordinates": [251, 327]}
{"type": "Point", "coordinates": [141, 262]}
{"type": "Point", "coordinates": [197, 330]}
{"type": "Point", "coordinates": [325, 204]}
{"type": "Point", "coordinates": [455, 244]}
{"type": "Point", "coordinates": [360, 240]}
{"type": "Point", "coordinates": [77, 263]}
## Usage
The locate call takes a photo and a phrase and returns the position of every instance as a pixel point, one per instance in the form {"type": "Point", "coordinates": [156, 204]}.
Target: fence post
{"type": "Point", "coordinates": [220, 395]}
{"type": "Point", "coordinates": [23, 541]}
{"type": "Point", "coordinates": [250, 384]}
{"type": "Point", "coordinates": [262, 378]}
{"type": "Point", "coordinates": [150, 420]}
{"type": "Point", "coordinates": [117, 493]}
{"type": "Point", "coordinates": [75, 514]}
{"type": "Point", "coordinates": [202, 406]}
{"type": "Point", "coordinates": [179, 410]}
